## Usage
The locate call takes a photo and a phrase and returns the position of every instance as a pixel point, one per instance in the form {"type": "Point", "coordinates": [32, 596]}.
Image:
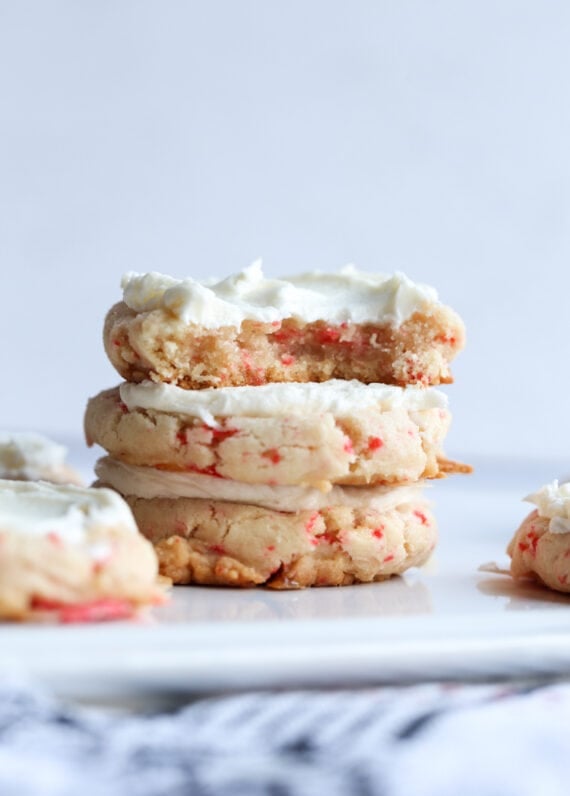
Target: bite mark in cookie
{"type": "Point", "coordinates": [251, 330]}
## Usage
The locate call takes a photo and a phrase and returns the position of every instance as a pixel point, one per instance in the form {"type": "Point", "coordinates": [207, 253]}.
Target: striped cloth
{"type": "Point", "coordinates": [427, 740]}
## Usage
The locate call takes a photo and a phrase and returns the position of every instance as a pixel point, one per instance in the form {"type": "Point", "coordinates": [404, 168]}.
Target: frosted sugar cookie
{"type": "Point", "coordinates": [303, 434]}
{"type": "Point", "coordinates": [248, 329]}
{"type": "Point", "coordinates": [237, 534]}
{"type": "Point", "coordinates": [25, 456]}
{"type": "Point", "coordinates": [71, 553]}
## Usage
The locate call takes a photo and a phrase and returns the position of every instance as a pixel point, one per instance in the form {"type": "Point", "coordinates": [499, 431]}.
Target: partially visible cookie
{"type": "Point", "coordinates": [71, 553]}
{"type": "Point", "coordinates": [251, 330]}
{"type": "Point", "coordinates": [540, 548]}
{"type": "Point", "coordinates": [26, 456]}
{"type": "Point", "coordinates": [337, 432]}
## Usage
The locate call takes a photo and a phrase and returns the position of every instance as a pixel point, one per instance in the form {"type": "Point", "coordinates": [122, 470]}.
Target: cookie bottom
{"type": "Point", "coordinates": [538, 553]}
{"type": "Point", "coordinates": [231, 544]}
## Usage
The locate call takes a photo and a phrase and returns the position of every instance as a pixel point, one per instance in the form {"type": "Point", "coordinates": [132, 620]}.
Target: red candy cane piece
{"type": "Point", "coordinates": [103, 610]}
{"type": "Point", "coordinates": [273, 455]}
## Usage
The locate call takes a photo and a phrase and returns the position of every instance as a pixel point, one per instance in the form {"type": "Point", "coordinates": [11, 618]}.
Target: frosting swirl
{"type": "Point", "coordinates": [350, 296]}
{"type": "Point", "coordinates": [553, 503]}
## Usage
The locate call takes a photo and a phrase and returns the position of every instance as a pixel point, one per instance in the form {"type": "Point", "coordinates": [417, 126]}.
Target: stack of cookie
{"type": "Point", "coordinates": [278, 432]}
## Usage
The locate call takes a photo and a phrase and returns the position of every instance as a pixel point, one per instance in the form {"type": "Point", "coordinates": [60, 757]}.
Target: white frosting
{"type": "Point", "coordinates": [37, 508]}
{"type": "Point", "coordinates": [29, 456]}
{"type": "Point", "coordinates": [341, 398]}
{"type": "Point", "coordinates": [553, 502]}
{"type": "Point", "coordinates": [349, 295]}
{"type": "Point", "coordinates": [149, 483]}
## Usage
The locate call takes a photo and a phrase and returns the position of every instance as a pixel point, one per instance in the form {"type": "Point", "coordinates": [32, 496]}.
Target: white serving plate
{"type": "Point", "coordinates": [446, 621]}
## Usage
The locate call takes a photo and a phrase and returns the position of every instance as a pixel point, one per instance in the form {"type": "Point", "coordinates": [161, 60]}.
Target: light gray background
{"type": "Point", "coordinates": [191, 138]}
